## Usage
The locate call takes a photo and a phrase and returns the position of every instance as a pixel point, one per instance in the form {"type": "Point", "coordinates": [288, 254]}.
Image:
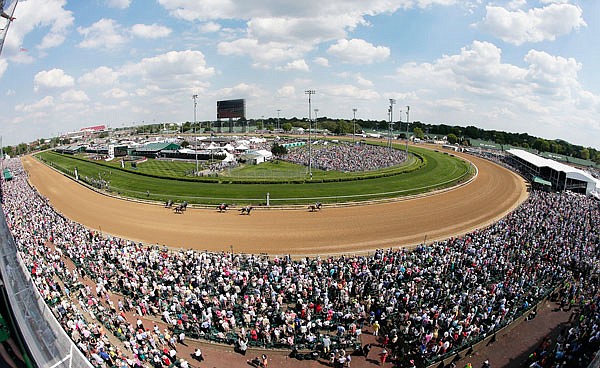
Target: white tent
{"type": "Point", "coordinates": [258, 140]}
{"type": "Point", "coordinates": [229, 157]}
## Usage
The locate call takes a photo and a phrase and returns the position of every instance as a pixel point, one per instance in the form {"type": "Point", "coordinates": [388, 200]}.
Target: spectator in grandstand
{"type": "Point", "coordinates": [347, 157]}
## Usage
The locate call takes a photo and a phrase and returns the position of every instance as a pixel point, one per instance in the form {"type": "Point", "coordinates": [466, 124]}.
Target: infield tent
{"type": "Point", "coordinates": [562, 177]}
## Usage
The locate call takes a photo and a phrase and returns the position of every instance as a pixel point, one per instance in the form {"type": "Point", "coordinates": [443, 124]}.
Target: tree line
{"type": "Point", "coordinates": [453, 133]}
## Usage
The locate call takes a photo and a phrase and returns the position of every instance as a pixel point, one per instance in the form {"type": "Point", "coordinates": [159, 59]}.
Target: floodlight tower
{"type": "Point", "coordinates": [392, 102]}
{"type": "Point", "coordinates": [316, 119]}
{"type": "Point", "coordinates": [278, 124]}
{"type": "Point", "coordinates": [407, 126]}
{"type": "Point", "coordinates": [194, 97]}
{"type": "Point", "coordinates": [353, 125]}
{"type": "Point", "coordinates": [309, 92]}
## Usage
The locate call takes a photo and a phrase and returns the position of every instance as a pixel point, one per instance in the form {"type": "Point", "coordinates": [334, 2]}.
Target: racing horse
{"type": "Point", "coordinates": [179, 208]}
{"type": "Point", "coordinates": [315, 207]}
{"type": "Point", "coordinates": [182, 207]}
{"type": "Point", "coordinates": [169, 203]}
{"type": "Point", "coordinates": [222, 207]}
{"type": "Point", "coordinates": [245, 210]}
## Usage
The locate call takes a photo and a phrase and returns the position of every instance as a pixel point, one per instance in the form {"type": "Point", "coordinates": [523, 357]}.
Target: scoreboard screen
{"type": "Point", "coordinates": [231, 109]}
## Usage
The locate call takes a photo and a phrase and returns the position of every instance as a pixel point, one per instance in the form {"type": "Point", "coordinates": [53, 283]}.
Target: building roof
{"type": "Point", "coordinates": [158, 146]}
{"type": "Point", "coordinates": [570, 171]}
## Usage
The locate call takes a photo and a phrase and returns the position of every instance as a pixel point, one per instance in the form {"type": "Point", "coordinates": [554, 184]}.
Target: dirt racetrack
{"type": "Point", "coordinates": [494, 193]}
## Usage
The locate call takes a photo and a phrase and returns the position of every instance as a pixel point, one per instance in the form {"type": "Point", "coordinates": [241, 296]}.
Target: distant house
{"type": "Point", "coordinates": [153, 149]}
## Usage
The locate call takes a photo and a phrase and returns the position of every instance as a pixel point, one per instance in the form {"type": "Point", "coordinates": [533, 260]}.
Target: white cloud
{"type": "Point", "coordinates": [74, 96]}
{"type": "Point", "coordinates": [358, 51]}
{"type": "Point", "coordinates": [151, 31]}
{"type": "Point", "coordinates": [55, 78]}
{"type": "Point", "coordinates": [352, 92]}
{"type": "Point", "coordinates": [241, 89]}
{"type": "Point", "coordinates": [3, 67]}
{"type": "Point", "coordinates": [243, 9]}
{"type": "Point", "coordinates": [42, 104]}
{"type": "Point", "coordinates": [115, 93]}
{"type": "Point", "coordinates": [299, 65]}
{"type": "Point", "coordinates": [516, 4]}
{"type": "Point", "coordinates": [210, 27]}
{"type": "Point", "coordinates": [535, 25]}
{"type": "Point", "coordinates": [120, 4]}
{"type": "Point", "coordinates": [321, 61]}
{"type": "Point", "coordinates": [364, 82]}
{"type": "Point", "coordinates": [173, 69]}
{"type": "Point", "coordinates": [105, 33]}
{"type": "Point", "coordinates": [47, 18]}
{"type": "Point", "coordinates": [99, 76]}
{"type": "Point", "coordinates": [552, 76]}
{"type": "Point", "coordinates": [277, 32]}
{"type": "Point", "coordinates": [312, 30]}
{"type": "Point", "coordinates": [485, 90]}
{"type": "Point", "coordinates": [286, 91]}
{"type": "Point", "coordinates": [271, 52]}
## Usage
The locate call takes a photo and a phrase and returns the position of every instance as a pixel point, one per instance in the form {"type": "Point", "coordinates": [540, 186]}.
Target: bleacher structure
{"type": "Point", "coordinates": [559, 175]}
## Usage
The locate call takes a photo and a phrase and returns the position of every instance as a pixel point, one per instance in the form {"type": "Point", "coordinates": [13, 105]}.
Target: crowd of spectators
{"type": "Point", "coordinates": [424, 303]}
{"type": "Point", "coordinates": [346, 157]}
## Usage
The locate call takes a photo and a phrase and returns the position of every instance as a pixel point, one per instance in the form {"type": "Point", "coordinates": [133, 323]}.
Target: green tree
{"type": "Point", "coordinates": [452, 138]}
{"type": "Point", "coordinates": [185, 144]}
{"type": "Point", "coordinates": [259, 125]}
{"type": "Point", "coordinates": [278, 149]}
{"type": "Point", "coordinates": [418, 132]}
{"type": "Point", "coordinates": [287, 127]}
{"type": "Point", "coordinates": [584, 153]}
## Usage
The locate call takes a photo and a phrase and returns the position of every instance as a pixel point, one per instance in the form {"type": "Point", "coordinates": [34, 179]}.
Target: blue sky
{"type": "Point", "coordinates": [518, 65]}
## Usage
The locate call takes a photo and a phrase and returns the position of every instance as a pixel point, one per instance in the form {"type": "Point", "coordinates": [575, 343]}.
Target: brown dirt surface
{"type": "Point", "coordinates": [490, 196]}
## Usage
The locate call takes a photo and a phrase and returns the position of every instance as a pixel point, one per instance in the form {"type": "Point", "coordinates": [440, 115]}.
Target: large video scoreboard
{"type": "Point", "coordinates": [231, 109]}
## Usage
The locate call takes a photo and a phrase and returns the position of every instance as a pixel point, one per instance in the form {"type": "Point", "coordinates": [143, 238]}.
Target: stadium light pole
{"type": "Point", "coordinates": [316, 120]}
{"type": "Point", "coordinates": [194, 97]}
{"type": "Point", "coordinates": [392, 102]}
{"type": "Point", "coordinates": [353, 125]}
{"type": "Point", "coordinates": [278, 124]}
{"type": "Point", "coordinates": [309, 92]}
{"type": "Point", "coordinates": [407, 127]}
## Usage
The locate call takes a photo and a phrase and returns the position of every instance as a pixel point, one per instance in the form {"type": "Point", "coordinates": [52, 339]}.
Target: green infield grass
{"type": "Point", "coordinates": [427, 170]}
